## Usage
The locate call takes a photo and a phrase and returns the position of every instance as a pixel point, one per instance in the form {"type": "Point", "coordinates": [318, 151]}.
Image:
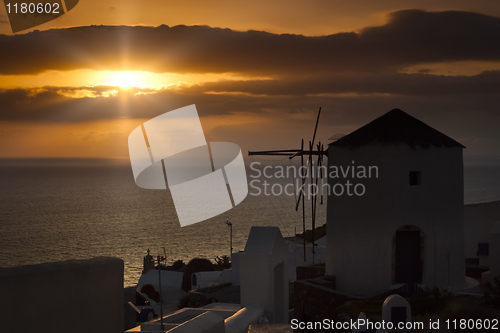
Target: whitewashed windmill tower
{"type": "Point", "coordinates": [407, 228]}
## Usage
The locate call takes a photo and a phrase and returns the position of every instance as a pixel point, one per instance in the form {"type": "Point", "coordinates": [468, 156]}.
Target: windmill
{"type": "Point", "coordinates": [313, 177]}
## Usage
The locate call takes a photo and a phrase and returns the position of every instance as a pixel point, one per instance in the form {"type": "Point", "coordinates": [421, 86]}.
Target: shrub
{"type": "Point", "coordinates": [178, 264]}
{"type": "Point", "coordinates": [150, 291]}
{"type": "Point", "coordinates": [223, 262]}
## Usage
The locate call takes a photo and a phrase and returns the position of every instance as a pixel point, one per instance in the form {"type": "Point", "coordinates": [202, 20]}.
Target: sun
{"type": "Point", "coordinates": [127, 80]}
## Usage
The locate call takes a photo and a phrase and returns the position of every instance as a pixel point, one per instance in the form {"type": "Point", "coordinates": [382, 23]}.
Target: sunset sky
{"type": "Point", "coordinates": [257, 71]}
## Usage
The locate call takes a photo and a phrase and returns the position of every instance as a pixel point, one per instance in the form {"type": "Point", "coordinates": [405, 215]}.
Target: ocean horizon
{"type": "Point", "coordinates": [61, 209]}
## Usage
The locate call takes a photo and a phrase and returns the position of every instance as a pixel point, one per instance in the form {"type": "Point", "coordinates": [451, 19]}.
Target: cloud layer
{"type": "Point", "coordinates": [354, 76]}
{"type": "Point", "coordinates": [409, 37]}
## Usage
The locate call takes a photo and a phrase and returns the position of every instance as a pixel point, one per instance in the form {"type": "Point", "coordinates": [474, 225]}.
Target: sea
{"type": "Point", "coordinates": [62, 209]}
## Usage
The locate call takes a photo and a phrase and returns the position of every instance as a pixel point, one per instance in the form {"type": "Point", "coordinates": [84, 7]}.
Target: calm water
{"type": "Point", "coordinates": [70, 209]}
{"type": "Point", "coordinates": [55, 210]}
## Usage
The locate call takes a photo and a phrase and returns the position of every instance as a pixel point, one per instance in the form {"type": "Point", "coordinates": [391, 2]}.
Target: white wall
{"type": "Point", "coordinates": [169, 279]}
{"type": "Point", "coordinates": [239, 322]}
{"type": "Point", "coordinates": [479, 220]}
{"type": "Point", "coordinates": [71, 296]}
{"type": "Point", "coordinates": [207, 279]}
{"type": "Point", "coordinates": [361, 230]}
{"type": "Point", "coordinates": [265, 252]}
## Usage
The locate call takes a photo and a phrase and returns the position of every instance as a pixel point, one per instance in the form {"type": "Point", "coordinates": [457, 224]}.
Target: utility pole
{"type": "Point", "coordinates": [161, 304]}
{"type": "Point", "coordinates": [230, 237]}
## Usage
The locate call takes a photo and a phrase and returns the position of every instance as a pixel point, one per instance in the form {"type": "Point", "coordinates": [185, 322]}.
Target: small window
{"type": "Point", "coordinates": [398, 314]}
{"type": "Point", "coordinates": [483, 249]}
{"type": "Point", "coordinates": [415, 178]}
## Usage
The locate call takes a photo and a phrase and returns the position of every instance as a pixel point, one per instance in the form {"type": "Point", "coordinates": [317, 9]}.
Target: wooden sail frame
{"type": "Point", "coordinates": [320, 152]}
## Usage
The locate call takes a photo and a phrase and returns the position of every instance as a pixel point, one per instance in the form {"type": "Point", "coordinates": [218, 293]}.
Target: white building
{"type": "Point", "coordinates": [479, 220]}
{"type": "Point", "coordinates": [404, 224]}
{"type": "Point", "coordinates": [263, 273]}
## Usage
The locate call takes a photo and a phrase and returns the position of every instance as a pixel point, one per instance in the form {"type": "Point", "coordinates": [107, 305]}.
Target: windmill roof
{"type": "Point", "coordinates": [396, 127]}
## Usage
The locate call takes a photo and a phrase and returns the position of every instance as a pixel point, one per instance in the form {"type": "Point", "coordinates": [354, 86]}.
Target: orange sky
{"type": "Point", "coordinates": [312, 17]}
{"type": "Point", "coordinates": [79, 92]}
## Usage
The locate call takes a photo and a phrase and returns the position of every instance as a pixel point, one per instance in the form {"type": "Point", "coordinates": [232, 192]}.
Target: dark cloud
{"type": "Point", "coordinates": [58, 104]}
{"type": "Point", "coordinates": [380, 83]}
{"type": "Point", "coordinates": [409, 37]}
{"type": "Point", "coordinates": [413, 36]}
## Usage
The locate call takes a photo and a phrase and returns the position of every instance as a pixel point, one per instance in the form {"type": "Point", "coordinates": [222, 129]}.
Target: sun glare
{"type": "Point", "coordinates": [127, 80]}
